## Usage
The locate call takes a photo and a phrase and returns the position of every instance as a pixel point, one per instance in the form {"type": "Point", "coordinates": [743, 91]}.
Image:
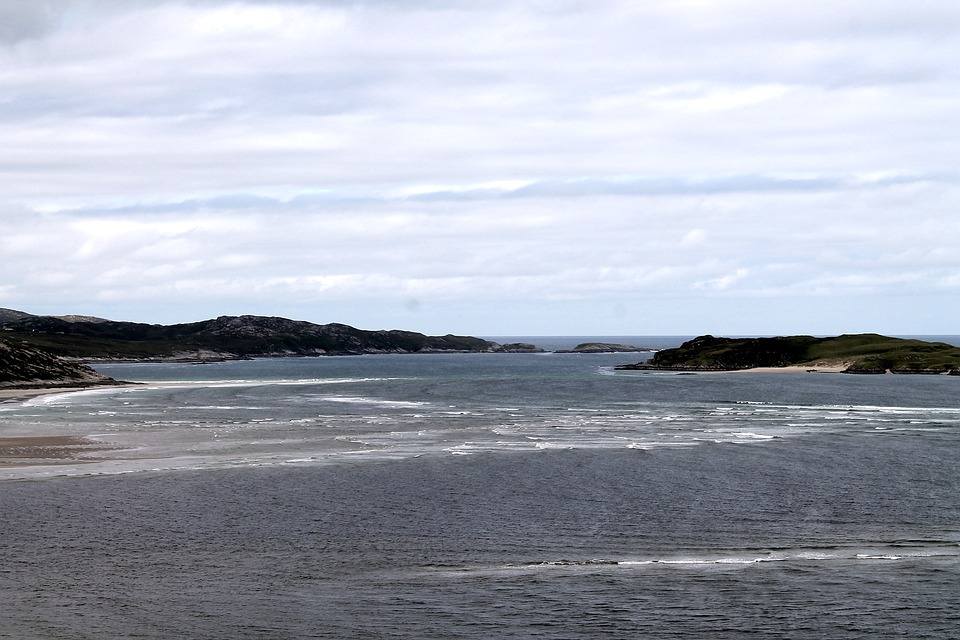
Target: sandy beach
{"type": "Point", "coordinates": [16, 451]}
{"type": "Point", "coordinates": [793, 369]}
{"type": "Point", "coordinates": [19, 395]}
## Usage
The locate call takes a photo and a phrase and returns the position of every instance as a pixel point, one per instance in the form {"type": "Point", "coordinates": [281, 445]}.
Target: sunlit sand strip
{"type": "Point", "coordinates": [831, 368]}
{"type": "Point", "coordinates": [19, 395]}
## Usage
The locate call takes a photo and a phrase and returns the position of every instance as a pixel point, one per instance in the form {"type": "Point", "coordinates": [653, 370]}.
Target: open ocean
{"type": "Point", "coordinates": [486, 496]}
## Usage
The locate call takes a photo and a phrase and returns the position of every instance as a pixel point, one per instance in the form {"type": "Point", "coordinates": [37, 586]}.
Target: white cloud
{"type": "Point", "coordinates": [318, 158]}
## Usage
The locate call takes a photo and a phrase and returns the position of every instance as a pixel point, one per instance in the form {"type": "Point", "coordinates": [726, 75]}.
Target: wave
{"type": "Point", "coordinates": [374, 401]}
{"type": "Point", "coordinates": [732, 558]}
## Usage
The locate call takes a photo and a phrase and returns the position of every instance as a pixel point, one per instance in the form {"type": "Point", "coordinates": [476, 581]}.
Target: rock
{"type": "Point", "coordinates": [518, 347]}
{"type": "Point", "coordinates": [24, 366]}
{"type": "Point", "coordinates": [603, 347]}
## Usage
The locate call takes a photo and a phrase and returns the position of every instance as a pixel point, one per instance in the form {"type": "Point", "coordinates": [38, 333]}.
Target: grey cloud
{"type": "Point", "coordinates": [28, 19]}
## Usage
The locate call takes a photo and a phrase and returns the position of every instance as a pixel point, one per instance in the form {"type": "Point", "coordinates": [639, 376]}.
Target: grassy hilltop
{"type": "Point", "coordinates": [860, 353]}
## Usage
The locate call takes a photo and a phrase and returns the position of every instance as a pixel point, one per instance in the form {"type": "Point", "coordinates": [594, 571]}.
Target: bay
{"type": "Point", "coordinates": [486, 495]}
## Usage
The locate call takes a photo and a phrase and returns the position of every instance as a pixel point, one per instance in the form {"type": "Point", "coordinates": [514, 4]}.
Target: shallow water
{"type": "Point", "coordinates": [477, 496]}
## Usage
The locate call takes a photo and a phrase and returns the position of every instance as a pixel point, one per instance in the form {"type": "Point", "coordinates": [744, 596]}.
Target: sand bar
{"type": "Point", "coordinates": [31, 450]}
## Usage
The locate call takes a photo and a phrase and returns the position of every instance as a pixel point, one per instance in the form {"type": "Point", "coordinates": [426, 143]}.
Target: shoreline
{"type": "Point", "coordinates": [789, 369]}
{"type": "Point", "coordinates": [12, 395]}
{"type": "Point", "coordinates": [51, 449]}
{"type": "Point", "coordinates": [793, 368]}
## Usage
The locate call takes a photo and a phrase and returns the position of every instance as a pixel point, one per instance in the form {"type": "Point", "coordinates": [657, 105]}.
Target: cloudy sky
{"type": "Point", "coordinates": [490, 167]}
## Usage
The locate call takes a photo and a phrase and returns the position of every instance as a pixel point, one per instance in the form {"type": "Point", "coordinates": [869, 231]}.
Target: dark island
{"type": "Point", "coordinates": [603, 347]}
{"type": "Point", "coordinates": [859, 353]}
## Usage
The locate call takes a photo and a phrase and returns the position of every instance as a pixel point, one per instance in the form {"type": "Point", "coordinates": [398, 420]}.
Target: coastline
{"type": "Point", "coordinates": [12, 395]}
{"type": "Point", "coordinates": [789, 369]}
{"type": "Point", "coordinates": [26, 450]}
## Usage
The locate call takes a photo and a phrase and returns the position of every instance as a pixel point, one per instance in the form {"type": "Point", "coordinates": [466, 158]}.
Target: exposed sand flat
{"type": "Point", "coordinates": [31, 450]}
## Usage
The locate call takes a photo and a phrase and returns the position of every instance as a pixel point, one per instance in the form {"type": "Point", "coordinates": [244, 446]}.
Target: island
{"type": "Point", "coordinates": [848, 353]}
{"type": "Point", "coordinates": [604, 347]}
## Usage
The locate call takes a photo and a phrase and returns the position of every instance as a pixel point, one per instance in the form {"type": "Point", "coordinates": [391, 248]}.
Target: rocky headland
{"type": "Point", "coordinates": [25, 367]}
{"type": "Point", "coordinates": [858, 353]}
{"type": "Point", "coordinates": [90, 339]}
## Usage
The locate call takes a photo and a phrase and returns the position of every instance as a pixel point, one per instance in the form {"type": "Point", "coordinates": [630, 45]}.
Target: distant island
{"type": "Point", "coordinates": [860, 353]}
{"type": "Point", "coordinates": [603, 347]}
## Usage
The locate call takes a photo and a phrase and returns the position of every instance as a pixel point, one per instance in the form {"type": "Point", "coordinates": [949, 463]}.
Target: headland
{"type": "Point", "coordinates": [867, 353]}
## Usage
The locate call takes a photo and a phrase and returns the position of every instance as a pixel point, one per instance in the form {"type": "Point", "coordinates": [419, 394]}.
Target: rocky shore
{"type": "Point", "coordinates": [25, 367]}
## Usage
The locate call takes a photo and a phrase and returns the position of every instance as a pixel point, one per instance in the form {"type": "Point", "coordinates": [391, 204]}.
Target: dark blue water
{"type": "Point", "coordinates": [514, 496]}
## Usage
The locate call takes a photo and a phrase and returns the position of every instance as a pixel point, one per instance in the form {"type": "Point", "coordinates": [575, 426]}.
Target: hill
{"type": "Point", "coordinates": [22, 366]}
{"type": "Point", "coordinates": [860, 353]}
{"type": "Point", "coordinates": [226, 337]}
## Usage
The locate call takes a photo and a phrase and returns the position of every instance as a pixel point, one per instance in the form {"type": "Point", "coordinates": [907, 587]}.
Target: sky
{"type": "Point", "coordinates": [485, 167]}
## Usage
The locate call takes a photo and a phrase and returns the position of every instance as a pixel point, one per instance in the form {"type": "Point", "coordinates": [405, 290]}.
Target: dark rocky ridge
{"type": "Point", "coordinates": [22, 366]}
{"type": "Point", "coordinates": [226, 337]}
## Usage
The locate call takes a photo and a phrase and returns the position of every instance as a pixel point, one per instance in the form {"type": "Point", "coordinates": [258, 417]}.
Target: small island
{"type": "Point", "coordinates": [603, 347]}
{"type": "Point", "coordinates": [857, 353]}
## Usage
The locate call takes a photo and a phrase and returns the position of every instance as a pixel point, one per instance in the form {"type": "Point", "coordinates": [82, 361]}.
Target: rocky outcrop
{"type": "Point", "coordinates": [23, 366]}
{"type": "Point", "coordinates": [518, 347]}
{"type": "Point", "coordinates": [603, 347]}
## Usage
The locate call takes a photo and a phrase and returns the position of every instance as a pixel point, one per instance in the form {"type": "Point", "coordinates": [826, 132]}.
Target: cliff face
{"type": "Point", "coordinates": [225, 337]}
{"type": "Point", "coordinates": [23, 366]}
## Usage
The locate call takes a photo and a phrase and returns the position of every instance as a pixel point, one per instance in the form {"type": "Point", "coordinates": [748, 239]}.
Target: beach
{"type": "Point", "coordinates": [27, 450]}
{"type": "Point", "coordinates": [18, 395]}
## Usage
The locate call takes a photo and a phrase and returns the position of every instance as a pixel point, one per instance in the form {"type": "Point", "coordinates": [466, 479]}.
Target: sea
{"type": "Point", "coordinates": [485, 496]}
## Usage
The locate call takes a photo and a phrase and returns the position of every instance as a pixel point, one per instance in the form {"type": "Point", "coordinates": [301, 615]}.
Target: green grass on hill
{"type": "Point", "coordinates": [861, 353]}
